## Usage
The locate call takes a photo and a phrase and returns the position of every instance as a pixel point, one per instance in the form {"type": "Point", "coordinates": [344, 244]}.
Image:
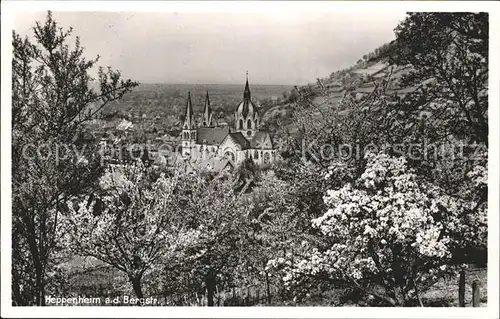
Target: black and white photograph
{"type": "Point", "coordinates": [269, 159]}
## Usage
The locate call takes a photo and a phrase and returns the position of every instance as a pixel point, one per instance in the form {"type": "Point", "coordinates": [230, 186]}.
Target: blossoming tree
{"type": "Point", "coordinates": [390, 235]}
{"type": "Point", "coordinates": [133, 225]}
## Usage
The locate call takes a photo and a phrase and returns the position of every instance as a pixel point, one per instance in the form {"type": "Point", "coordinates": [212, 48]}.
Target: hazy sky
{"type": "Point", "coordinates": [188, 47]}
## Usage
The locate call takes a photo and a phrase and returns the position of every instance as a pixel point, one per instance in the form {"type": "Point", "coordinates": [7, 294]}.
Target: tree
{"type": "Point", "coordinates": [134, 225]}
{"type": "Point", "coordinates": [446, 106]}
{"type": "Point", "coordinates": [336, 132]}
{"type": "Point", "coordinates": [53, 155]}
{"type": "Point", "coordinates": [212, 208]}
{"type": "Point", "coordinates": [278, 222]}
{"type": "Point", "coordinates": [389, 234]}
{"type": "Point", "coordinates": [448, 54]}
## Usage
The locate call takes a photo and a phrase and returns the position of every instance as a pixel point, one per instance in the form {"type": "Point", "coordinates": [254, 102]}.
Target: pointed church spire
{"type": "Point", "coordinates": [188, 118]}
{"type": "Point", "coordinates": [246, 93]}
{"type": "Point", "coordinates": [207, 100]}
{"type": "Point", "coordinates": [207, 113]}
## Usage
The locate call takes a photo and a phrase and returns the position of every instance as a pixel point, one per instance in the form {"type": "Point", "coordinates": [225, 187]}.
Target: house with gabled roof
{"type": "Point", "coordinates": [208, 143]}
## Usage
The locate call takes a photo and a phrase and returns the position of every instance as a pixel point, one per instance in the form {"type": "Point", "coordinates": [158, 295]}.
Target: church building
{"type": "Point", "coordinates": [211, 146]}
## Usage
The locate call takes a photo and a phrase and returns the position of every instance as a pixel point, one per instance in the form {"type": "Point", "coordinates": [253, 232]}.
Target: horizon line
{"type": "Point", "coordinates": [217, 83]}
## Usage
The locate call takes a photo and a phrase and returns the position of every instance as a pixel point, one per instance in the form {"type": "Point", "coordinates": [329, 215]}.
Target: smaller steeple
{"type": "Point", "coordinates": [207, 113]}
{"type": "Point", "coordinates": [188, 116]}
{"type": "Point", "coordinates": [246, 93]}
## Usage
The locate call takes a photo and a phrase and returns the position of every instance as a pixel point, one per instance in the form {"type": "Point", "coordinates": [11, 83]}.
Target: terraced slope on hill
{"type": "Point", "coordinates": [360, 80]}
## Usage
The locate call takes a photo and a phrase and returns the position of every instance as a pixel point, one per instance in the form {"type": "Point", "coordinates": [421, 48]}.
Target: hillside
{"type": "Point", "coordinates": [328, 92]}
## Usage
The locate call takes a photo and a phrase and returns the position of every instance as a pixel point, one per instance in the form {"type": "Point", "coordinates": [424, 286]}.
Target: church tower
{"type": "Point", "coordinates": [207, 120]}
{"type": "Point", "coordinates": [188, 129]}
{"type": "Point", "coordinates": [246, 117]}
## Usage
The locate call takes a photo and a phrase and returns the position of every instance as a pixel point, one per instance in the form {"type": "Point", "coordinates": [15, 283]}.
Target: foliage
{"type": "Point", "coordinates": [135, 223]}
{"type": "Point", "coordinates": [212, 209]}
{"type": "Point", "coordinates": [53, 159]}
{"type": "Point", "coordinates": [181, 234]}
{"type": "Point", "coordinates": [247, 174]}
{"type": "Point", "coordinates": [448, 53]}
{"type": "Point", "coordinates": [383, 51]}
{"type": "Point", "coordinates": [391, 234]}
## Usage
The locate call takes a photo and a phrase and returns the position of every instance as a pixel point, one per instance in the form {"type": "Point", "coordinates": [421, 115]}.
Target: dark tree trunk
{"type": "Point", "coordinates": [37, 263]}
{"type": "Point", "coordinates": [417, 294]}
{"type": "Point", "coordinates": [461, 289]}
{"type": "Point", "coordinates": [268, 289]}
{"type": "Point", "coordinates": [399, 296]}
{"type": "Point", "coordinates": [210, 281]}
{"type": "Point", "coordinates": [248, 296]}
{"type": "Point", "coordinates": [40, 287]}
{"type": "Point", "coordinates": [136, 284]}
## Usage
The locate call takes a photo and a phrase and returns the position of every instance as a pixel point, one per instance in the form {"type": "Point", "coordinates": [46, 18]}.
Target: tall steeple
{"type": "Point", "coordinates": [188, 129]}
{"type": "Point", "coordinates": [246, 116]}
{"type": "Point", "coordinates": [246, 93]}
{"type": "Point", "coordinates": [207, 113]}
{"type": "Point", "coordinates": [188, 115]}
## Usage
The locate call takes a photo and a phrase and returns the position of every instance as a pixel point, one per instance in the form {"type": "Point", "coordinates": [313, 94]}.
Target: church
{"type": "Point", "coordinates": [210, 146]}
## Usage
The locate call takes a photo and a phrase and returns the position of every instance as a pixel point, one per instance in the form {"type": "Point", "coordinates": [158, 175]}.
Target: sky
{"type": "Point", "coordinates": [288, 48]}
